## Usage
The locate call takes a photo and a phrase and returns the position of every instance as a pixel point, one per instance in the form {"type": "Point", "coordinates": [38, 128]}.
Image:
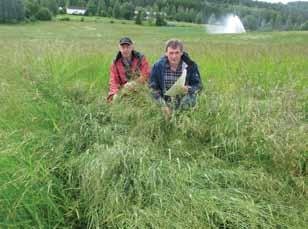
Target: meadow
{"type": "Point", "coordinates": [68, 159]}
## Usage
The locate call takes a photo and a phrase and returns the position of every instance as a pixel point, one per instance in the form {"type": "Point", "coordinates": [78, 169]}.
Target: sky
{"type": "Point", "coordinates": [282, 1]}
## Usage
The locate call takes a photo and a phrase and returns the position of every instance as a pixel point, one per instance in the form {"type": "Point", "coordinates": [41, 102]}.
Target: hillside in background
{"type": "Point", "coordinates": [255, 15]}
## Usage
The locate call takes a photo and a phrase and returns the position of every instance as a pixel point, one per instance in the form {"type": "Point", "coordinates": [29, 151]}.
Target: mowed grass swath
{"type": "Point", "coordinates": [69, 160]}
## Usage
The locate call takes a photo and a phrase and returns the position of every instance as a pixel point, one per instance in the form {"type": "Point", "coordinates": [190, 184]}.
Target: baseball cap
{"type": "Point", "coordinates": [125, 40]}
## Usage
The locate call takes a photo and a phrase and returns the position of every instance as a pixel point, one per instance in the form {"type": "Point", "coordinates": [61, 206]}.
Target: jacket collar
{"type": "Point", "coordinates": [119, 55]}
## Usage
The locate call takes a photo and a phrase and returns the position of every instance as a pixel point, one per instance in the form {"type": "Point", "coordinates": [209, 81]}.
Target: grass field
{"type": "Point", "coordinates": [69, 160]}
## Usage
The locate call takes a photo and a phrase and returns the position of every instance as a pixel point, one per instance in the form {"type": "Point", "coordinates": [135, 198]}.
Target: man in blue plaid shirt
{"type": "Point", "coordinates": [166, 72]}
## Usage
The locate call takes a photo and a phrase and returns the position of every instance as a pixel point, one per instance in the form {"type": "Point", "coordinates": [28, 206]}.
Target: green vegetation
{"type": "Point", "coordinates": [255, 15]}
{"type": "Point", "coordinates": [40, 9]}
{"type": "Point", "coordinates": [44, 14]}
{"type": "Point", "coordinates": [69, 160]}
{"type": "Point", "coordinates": [11, 11]}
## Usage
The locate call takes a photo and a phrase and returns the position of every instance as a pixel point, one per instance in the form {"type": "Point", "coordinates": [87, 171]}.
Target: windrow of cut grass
{"type": "Point", "coordinates": [237, 160]}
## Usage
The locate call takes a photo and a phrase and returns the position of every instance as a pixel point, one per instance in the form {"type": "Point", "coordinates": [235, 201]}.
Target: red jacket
{"type": "Point", "coordinates": [118, 76]}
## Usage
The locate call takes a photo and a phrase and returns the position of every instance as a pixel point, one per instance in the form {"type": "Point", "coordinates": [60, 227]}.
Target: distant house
{"type": "Point", "coordinates": [76, 10]}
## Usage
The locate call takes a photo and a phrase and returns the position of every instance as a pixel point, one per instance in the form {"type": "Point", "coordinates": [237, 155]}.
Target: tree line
{"type": "Point", "coordinates": [254, 14]}
{"type": "Point", "coordinates": [12, 11]}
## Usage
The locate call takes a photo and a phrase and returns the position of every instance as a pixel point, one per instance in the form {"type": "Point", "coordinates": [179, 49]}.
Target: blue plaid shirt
{"type": "Point", "coordinates": [170, 77]}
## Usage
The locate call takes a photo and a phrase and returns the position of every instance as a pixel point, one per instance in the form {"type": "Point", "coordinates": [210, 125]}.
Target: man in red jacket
{"type": "Point", "coordinates": [128, 67]}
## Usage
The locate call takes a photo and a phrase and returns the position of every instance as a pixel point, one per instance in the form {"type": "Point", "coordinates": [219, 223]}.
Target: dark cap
{"type": "Point", "coordinates": [125, 40]}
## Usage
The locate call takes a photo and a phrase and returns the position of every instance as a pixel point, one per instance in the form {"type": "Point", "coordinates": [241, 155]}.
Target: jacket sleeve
{"type": "Point", "coordinates": [154, 84]}
{"type": "Point", "coordinates": [114, 83]}
{"type": "Point", "coordinates": [195, 83]}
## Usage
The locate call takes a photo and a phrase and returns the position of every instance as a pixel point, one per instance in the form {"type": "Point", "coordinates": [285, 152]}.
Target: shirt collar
{"type": "Point", "coordinates": [181, 65]}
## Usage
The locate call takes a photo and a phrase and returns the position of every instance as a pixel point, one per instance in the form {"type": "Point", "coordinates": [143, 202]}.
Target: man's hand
{"type": "Point", "coordinates": [130, 86]}
{"type": "Point", "coordinates": [112, 98]}
{"type": "Point", "coordinates": [167, 112]}
{"type": "Point", "coordinates": [141, 79]}
{"type": "Point", "coordinates": [185, 89]}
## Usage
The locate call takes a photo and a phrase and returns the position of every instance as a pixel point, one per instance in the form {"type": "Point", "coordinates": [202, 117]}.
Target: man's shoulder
{"type": "Point", "coordinates": [186, 58]}
{"type": "Point", "coordinates": [160, 62]}
{"type": "Point", "coordinates": [138, 55]}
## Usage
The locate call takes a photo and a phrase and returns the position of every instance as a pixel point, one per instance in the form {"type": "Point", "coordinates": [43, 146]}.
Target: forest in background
{"type": "Point", "coordinates": [256, 16]}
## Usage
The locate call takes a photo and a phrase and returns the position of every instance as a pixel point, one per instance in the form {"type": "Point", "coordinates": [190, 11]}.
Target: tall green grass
{"type": "Point", "coordinates": [69, 160]}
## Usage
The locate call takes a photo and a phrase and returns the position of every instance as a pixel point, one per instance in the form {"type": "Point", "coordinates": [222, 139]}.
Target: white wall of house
{"type": "Point", "coordinates": [75, 11]}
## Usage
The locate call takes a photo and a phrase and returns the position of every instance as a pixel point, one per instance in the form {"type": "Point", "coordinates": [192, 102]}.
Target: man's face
{"type": "Point", "coordinates": [174, 55]}
{"type": "Point", "coordinates": [126, 50]}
